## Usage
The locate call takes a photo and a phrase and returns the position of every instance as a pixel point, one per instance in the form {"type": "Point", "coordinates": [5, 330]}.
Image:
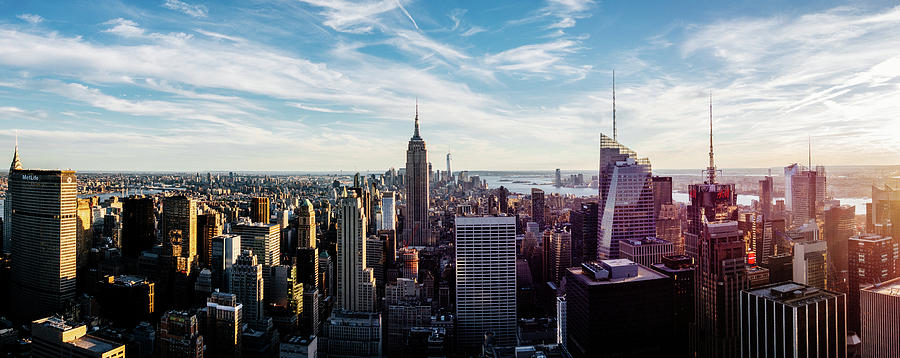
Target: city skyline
{"type": "Point", "coordinates": [334, 87]}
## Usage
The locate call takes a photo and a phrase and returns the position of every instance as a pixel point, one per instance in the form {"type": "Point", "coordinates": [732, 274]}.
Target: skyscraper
{"type": "Point", "coordinates": [247, 285]}
{"type": "Point", "coordinates": [584, 233]}
{"type": "Point", "coordinates": [560, 254]}
{"type": "Point", "coordinates": [84, 234]}
{"type": "Point", "coordinates": [839, 227]}
{"type": "Point", "coordinates": [485, 280]}
{"type": "Point", "coordinates": [355, 281]}
{"type": "Point", "coordinates": [662, 193]}
{"type": "Point", "coordinates": [880, 312]}
{"type": "Point", "coordinates": [352, 334]}
{"type": "Point", "coordinates": [709, 202]}
{"type": "Point", "coordinates": [223, 325]}
{"type": "Point", "coordinates": [636, 298]}
{"type": "Point", "coordinates": [179, 335]}
{"type": "Point", "coordinates": [209, 225]}
{"type": "Point", "coordinates": [449, 172]}
{"type": "Point", "coordinates": [43, 237]}
{"type": "Point", "coordinates": [680, 269]}
{"type": "Point", "coordinates": [306, 225]}
{"type": "Point", "coordinates": [180, 215]}
{"type": "Point", "coordinates": [259, 210]}
{"type": "Point", "coordinates": [766, 192]}
{"type": "Point", "coordinates": [805, 199]}
{"type": "Point", "coordinates": [809, 262]}
{"type": "Point", "coordinates": [538, 207]}
{"type": "Point", "coordinates": [416, 231]}
{"type": "Point", "coordinates": [388, 211]}
{"type": "Point", "coordinates": [789, 172]}
{"type": "Point", "coordinates": [626, 198]}
{"type": "Point", "coordinates": [872, 260]}
{"type": "Point", "coordinates": [225, 251]}
{"type": "Point", "coordinates": [263, 239]}
{"type": "Point", "coordinates": [793, 320]}
{"type": "Point", "coordinates": [721, 275]}
{"type": "Point", "coordinates": [138, 225]}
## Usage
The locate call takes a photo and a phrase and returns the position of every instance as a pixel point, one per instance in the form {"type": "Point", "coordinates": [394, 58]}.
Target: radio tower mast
{"type": "Point", "coordinates": [711, 169]}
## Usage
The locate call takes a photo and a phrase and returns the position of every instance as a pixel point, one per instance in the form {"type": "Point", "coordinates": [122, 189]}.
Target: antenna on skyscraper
{"type": "Point", "coordinates": [614, 103]}
{"type": "Point", "coordinates": [711, 170]}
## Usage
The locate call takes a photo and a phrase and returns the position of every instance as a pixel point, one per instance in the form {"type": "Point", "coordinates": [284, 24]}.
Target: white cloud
{"type": "Point", "coordinates": [31, 18]}
{"type": "Point", "coordinates": [192, 10]}
{"type": "Point", "coordinates": [472, 31]}
{"type": "Point", "coordinates": [547, 59]}
{"type": "Point", "coordinates": [354, 17]}
{"type": "Point", "coordinates": [124, 28]}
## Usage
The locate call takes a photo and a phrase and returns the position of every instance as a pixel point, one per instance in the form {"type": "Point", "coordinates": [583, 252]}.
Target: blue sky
{"type": "Point", "coordinates": [328, 85]}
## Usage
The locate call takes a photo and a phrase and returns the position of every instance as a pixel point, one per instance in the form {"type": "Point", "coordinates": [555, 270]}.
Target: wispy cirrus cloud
{"type": "Point", "coordinates": [31, 18]}
{"type": "Point", "coordinates": [546, 59]}
{"type": "Point", "coordinates": [191, 10]}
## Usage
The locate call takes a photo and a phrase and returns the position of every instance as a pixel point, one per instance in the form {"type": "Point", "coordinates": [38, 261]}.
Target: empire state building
{"type": "Point", "coordinates": [416, 230]}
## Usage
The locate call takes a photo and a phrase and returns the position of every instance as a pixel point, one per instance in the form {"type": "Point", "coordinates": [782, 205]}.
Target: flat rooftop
{"type": "Point", "coordinates": [645, 241]}
{"type": "Point", "coordinates": [95, 344]}
{"type": "Point", "coordinates": [792, 293]}
{"type": "Point", "coordinates": [889, 288]}
{"type": "Point", "coordinates": [643, 274]}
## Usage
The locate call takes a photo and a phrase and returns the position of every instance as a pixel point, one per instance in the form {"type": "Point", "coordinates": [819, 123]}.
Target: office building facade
{"type": "Point", "coordinates": [485, 280]}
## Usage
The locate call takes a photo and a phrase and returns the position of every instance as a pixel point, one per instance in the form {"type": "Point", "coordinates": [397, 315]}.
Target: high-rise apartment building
{"type": "Point", "coordinates": [247, 285]}
{"type": "Point", "coordinates": [224, 319]}
{"type": "Point", "coordinates": [880, 314]}
{"type": "Point", "coordinates": [259, 210]}
{"type": "Point", "coordinates": [872, 260]}
{"type": "Point", "coordinates": [416, 229]}
{"type": "Point", "coordinates": [485, 280]}
{"type": "Point", "coordinates": [809, 262]}
{"type": "Point", "coordinates": [636, 298]}
{"type": "Point", "coordinates": [306, 225]}
{"type": "Point", "coordinates": [560, 254]}
{"type": "Point", "coordinates": [138, 225]}
{"type": "Point", "coordinates": [180, 218]}
{"type": "Point", "coordinates": [789, 319]}
{"type": "Point", "coordinates": [626, 198]}
{"type": "Point", "coordinates": [721, 275]}
{"type": "Point", "coordinates": [43, 236]}
{"type": "Point", "coordinates": [355, 281]}
{"type": "Point", "coordinates": [538, 207]}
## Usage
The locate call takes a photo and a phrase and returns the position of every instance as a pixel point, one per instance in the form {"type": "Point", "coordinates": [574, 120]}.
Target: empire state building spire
{"type": "Point", "coordinates": [416, 132]}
